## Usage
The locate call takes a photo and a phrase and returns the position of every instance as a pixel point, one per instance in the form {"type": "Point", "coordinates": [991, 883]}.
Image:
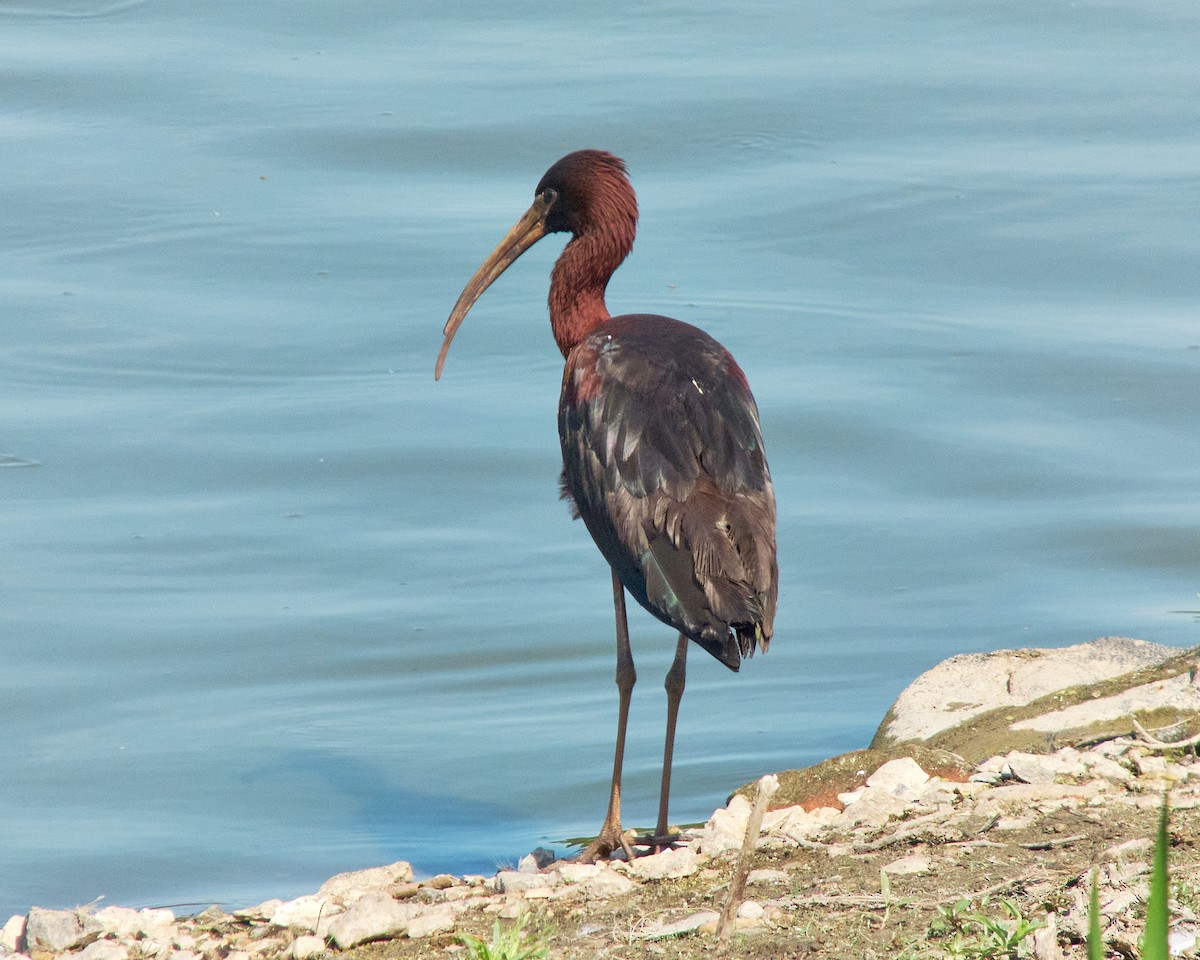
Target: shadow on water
{"type": "Point", "coordinates": [390, 819]}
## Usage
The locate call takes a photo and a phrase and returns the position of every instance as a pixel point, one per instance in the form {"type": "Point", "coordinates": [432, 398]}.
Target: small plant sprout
{"type": "Point", "coordinates": [514, 942]}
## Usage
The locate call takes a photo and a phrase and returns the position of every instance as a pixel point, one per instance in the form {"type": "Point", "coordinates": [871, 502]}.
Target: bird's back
{"type": "Point", "coordinates": [663, 459]}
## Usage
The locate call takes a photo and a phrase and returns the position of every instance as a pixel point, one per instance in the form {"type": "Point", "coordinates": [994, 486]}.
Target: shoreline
{"type": "Point", "coordinates": [891, 849]}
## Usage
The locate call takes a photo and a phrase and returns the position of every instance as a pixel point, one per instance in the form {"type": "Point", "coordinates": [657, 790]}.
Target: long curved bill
{"type": "Point", "coordinates": [525, 233]}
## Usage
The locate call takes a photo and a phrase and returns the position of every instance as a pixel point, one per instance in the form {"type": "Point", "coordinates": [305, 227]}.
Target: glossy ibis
{"type": "Point", "coordinates": [662, 450]}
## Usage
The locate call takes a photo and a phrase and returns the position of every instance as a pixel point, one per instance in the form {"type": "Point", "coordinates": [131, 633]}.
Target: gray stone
{"type": "Point", "coordinates": [59, 930]}
{"type": "Point", "coordinates": [539, 859]}
{"type": "Point", "coordinates": [668, 865]}
{"type": "Point", "coordinates": [372, 916]}
{"type": "Point", "coordinates": [513, 881]}
{"type": "Point", "coordinates": [750, 910]}
{"type": "Point", "coordinates": [431, 922]}
{"type": "Point", "coordinates": [348, 887]}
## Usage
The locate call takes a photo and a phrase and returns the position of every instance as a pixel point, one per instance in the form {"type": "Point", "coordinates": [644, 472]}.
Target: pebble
{"type": "Point", "coordinates": [767, 875]}
{"type": "Point", "coordinates": [913, 864]}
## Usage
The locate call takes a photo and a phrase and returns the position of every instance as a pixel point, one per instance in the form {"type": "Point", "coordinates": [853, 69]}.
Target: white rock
{"type": "Point", "coordinates": [969, 684]}
{"type": "Point", "coordinates": [1139, 848]}
{"type": "Point", "coordinates": [658, 931]}
{"type": "Point", "coordinates": [903, 778]}
{"type": "Point", "coordinates": [513, 881]}
{"type": "Point", "coordinates": [438, 920]}
{"type": "Point", "coordinates": [874, 808]}
{"type": "Point", "coordinates": [373, 916]}
{"type": "Point", "coordinates": [577, 872]}
{"type": "Point", "coordinates": [796, 823]}
{"type": "Point", "coordinates": [158, 922]}
{"type": "Point", "coordinates": [1178, 692]}
{"type": "Point", "coordinates": [261, 911]}
{"type": "Point", "coordinates": [750, 910]}
{"type": "Point", "coordinates": [305, 947]}
{"type": "Point", "coordinates": [668, 865]}
{"type": "Point", "coordinates": [726, 828]}
{"type": "Point", "coordinates": [915, 863]}
{"type": "Point", "coordinates": [851, 796]}
{"type": "Point", "coordinates": [606, 884]}
{"type": "Point", "coordinates": [121, 922]}
{"type": "Point", "coordinates": [103, 950]}
{"type": "Point", "coordinates": [1030, 768]}
{"type": "Point", "coordinates": [348, 887]}
{"type": "Point", "coordinates": [14, 929]}
{"type": "Point", "coordinates": [1181, 940]}
{"type": "Point", "coordinates": [305, 912]}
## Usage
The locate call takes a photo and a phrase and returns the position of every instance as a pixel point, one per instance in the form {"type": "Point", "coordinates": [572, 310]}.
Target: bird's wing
{"type": "Point", "coordinates": [663, 457]}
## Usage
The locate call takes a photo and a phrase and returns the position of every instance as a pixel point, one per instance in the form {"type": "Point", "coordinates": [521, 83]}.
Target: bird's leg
{"type": "Point", "coordinates": [674, 683]}
{"type": "Point", "coordinates": [612, 836]}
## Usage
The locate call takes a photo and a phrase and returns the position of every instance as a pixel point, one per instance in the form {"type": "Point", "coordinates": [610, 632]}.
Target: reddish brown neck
{"type": "Point", "coordinates": [577, 285]}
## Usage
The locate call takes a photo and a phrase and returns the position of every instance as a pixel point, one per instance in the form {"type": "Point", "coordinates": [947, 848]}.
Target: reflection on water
{"type": "Point", "coordinates": [276, 605]}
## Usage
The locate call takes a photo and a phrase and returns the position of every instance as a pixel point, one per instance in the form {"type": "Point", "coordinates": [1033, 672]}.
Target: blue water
{"type": "Point", "coordinates": [275, 605]}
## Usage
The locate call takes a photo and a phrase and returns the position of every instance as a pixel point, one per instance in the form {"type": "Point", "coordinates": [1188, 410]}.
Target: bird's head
{"type": "Point", "coordinates": [585, 193]}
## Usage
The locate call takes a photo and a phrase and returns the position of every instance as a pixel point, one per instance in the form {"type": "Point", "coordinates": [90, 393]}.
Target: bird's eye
{"type": "Point", "coordinates": [549, 195]}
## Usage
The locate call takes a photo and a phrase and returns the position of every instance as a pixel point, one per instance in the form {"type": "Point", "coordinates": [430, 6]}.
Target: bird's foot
{"type": "Point", "coordinates": [611, 840]}
{"type": "Point", "coordinates": [659, 842]}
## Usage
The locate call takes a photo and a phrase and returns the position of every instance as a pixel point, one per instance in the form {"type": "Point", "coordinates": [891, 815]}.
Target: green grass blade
{"type": "Point", "coordinates": [1157, 917]}
{"type": "Point", "coordinates": [1095, 940]}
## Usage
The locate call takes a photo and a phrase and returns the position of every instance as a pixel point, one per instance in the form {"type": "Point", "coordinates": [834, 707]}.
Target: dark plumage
{"type": "Point", "coordinates": [662, 449]}
{"type": "Point", "coordinates": [663, 460]}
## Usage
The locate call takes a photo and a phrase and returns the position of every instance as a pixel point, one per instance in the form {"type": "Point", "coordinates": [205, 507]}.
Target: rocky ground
{"type": "Point", "coordinates": [905, 850]}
